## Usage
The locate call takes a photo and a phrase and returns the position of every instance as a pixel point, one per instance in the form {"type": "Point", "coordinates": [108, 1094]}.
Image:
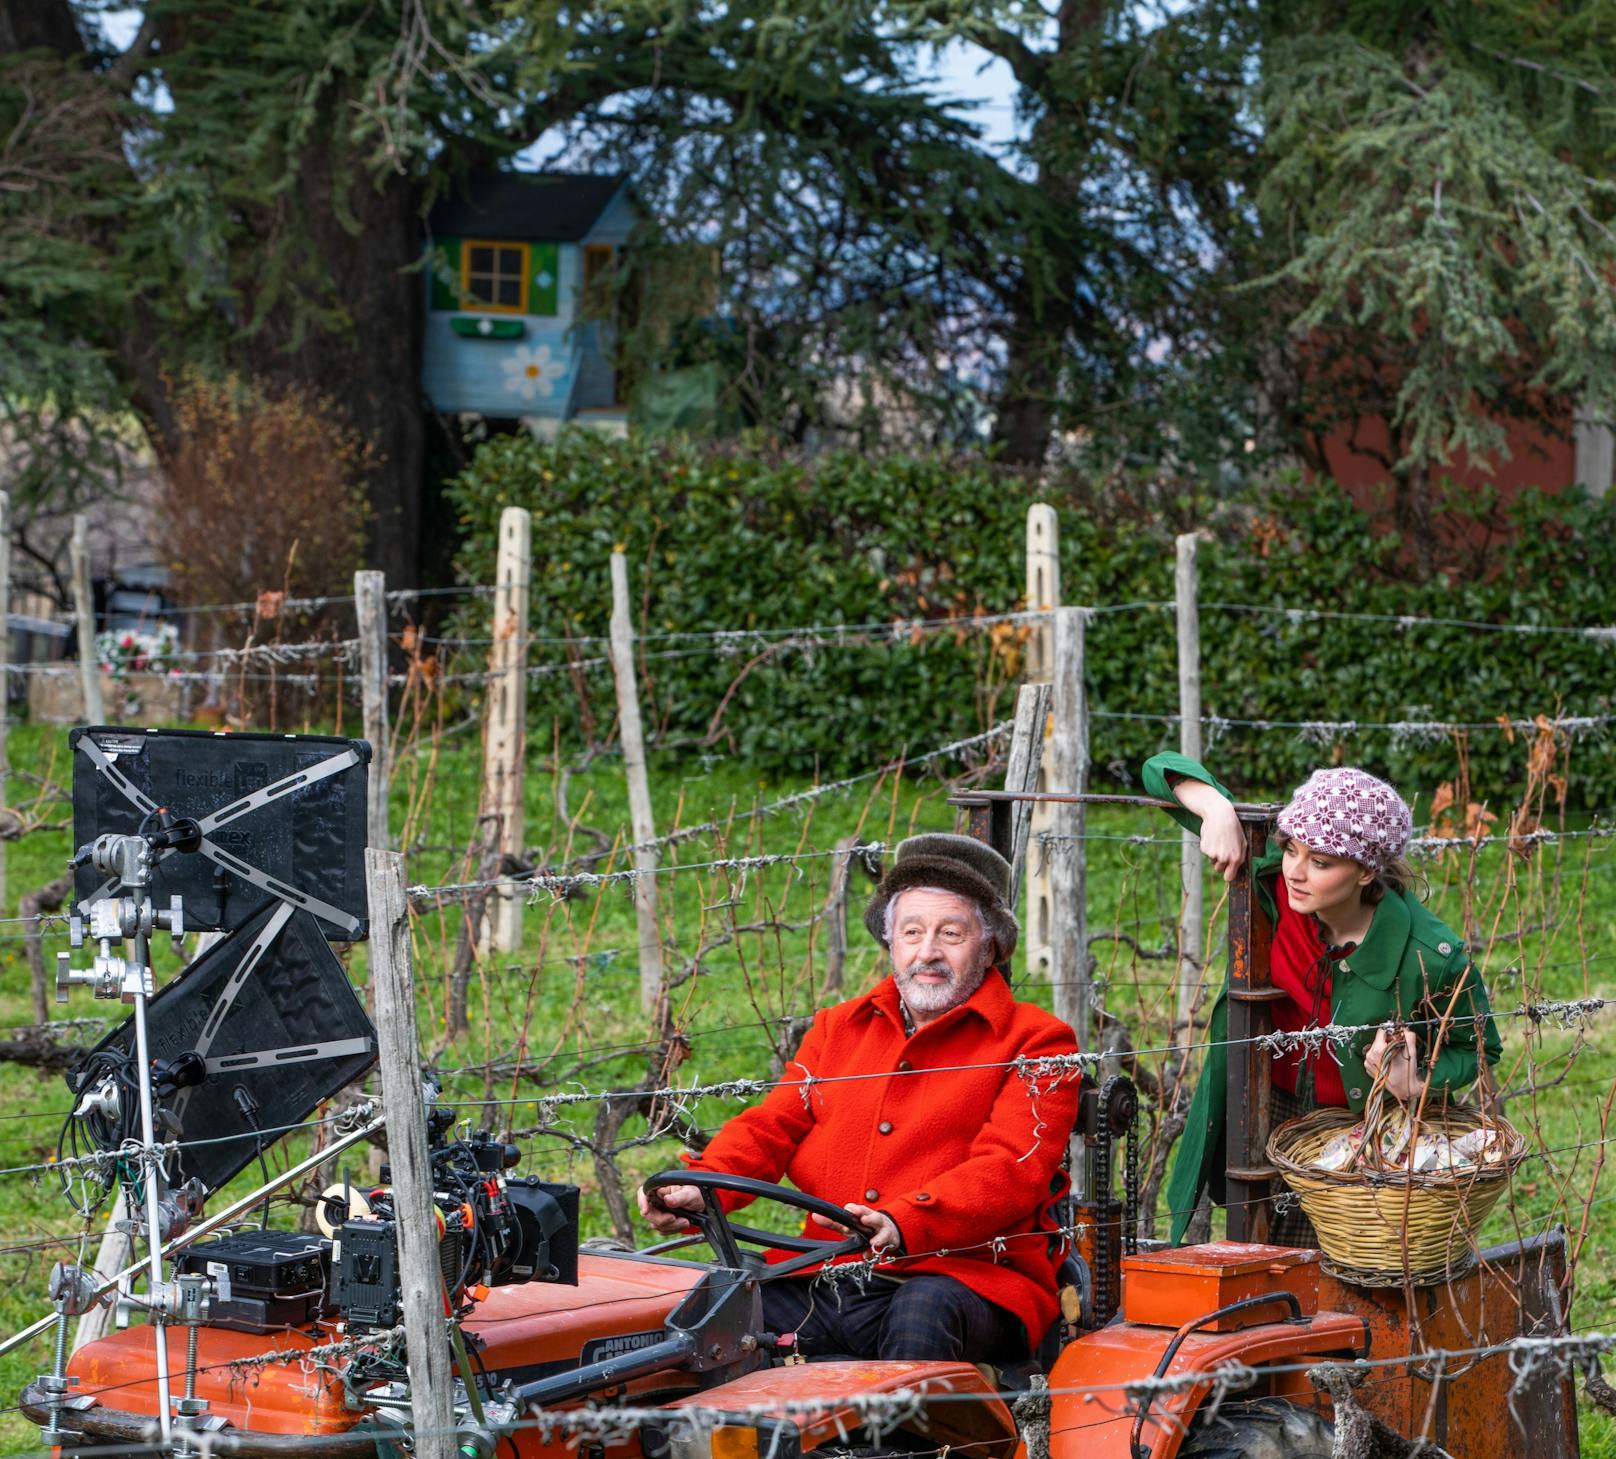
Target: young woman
{"type": "Point", "coordinates": [1353, 945]}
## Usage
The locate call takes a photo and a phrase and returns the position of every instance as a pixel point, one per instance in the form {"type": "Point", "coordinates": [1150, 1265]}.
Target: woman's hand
{"type": "Point", "coordinates": [1223, 843]}
{"type": "Point", "coordinates": [1402, 1079]}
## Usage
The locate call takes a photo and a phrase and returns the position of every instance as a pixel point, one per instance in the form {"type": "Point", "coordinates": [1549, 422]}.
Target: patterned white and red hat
{"type": "Point", "coordinates": [1345, 812]}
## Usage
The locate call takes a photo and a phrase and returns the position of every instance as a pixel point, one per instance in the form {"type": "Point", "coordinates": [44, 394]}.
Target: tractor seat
{"type": "Point", "coordinates": [1076, 1285]}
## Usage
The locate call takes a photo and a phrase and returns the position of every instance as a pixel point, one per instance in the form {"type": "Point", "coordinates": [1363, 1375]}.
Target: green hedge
{"type": "Point", "coordinates": [732, 539]}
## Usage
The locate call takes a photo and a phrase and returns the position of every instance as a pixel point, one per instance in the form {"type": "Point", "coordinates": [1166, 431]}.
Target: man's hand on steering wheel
{"type": "Point", "coordinates": [670, 1200]}
{"type": "Point", "coordinates": [882, 1228]}
{"type": "Point", "coordinates": [862, 1228]}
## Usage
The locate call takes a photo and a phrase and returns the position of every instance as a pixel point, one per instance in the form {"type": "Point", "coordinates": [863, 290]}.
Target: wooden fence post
{"type": "Point", "coordinates": [95, 712]}
{"type": "Point", "coordinates": [370, 608]}
{"type": "Point", "coordinates": [1023, 772]}
{"type": "Point", "coordinates": [1192, 921]}
{"type": "Point", "coordinates": [392, 974]}
{"type": "Point", "coordinates": [505, 746]}
{"type": "Point", "coordinates": [117, 1251]}
{"type": "Point", "coordinates": [1068, 772]}
{"type": "Point", "coordinates": [5, 675]}
{"type": "Point", "coordinates": [1043, 596]}
{"type": "Point", "coordinates": [1043, 588]}
{"type": "Point", "coordinates": [639, 786]}
{"type": "Point", "coordinates": [841, 868]}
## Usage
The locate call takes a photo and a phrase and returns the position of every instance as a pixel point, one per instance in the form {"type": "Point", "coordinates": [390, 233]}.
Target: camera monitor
{"type": "Point", "coordinates": [268, 1026]}
{"type": "Point", "coordinates": [282, 820]}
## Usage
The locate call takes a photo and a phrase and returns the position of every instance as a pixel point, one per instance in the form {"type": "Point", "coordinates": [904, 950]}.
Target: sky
{"type": "Point", "coordinates": [980, 82]}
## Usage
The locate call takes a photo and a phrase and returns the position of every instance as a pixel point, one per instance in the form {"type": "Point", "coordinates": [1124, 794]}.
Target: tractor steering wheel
{"type": "Point", "coordinates": [722, 1234]}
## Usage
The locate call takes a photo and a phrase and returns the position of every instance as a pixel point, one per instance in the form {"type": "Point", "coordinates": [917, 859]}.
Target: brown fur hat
{"type": "Point", "coordinates": [959, 864]}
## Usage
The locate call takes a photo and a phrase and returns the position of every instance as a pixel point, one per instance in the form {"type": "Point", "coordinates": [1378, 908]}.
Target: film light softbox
{"type": "Point", "coordinates": [282, 818]}
{"type": "Point", "coordinates": [271, 1012]}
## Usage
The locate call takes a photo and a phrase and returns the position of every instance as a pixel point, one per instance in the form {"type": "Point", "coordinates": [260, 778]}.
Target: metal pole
{"type": "Point", "coordinates": [505, 748]}
{"type": "Point", "coordinates": [639, 786]}
{"type": "Point", "coordinates": [1192, 918]}
{"type": "Point", "coordinates": [1251, 1014]}
{"type": "Point", "coordinates": [207, 1226]}
{"type": "Point", "coordinates": [95, 711]}
{"type": "Point", "coordinates": [399, 1050]}
{"type": "Point", "coordinates": [370, 608]}
{"type": "Point", "coordinates": [151, 1181]}
{"type": "Point", "coordinates": [1069, 769]}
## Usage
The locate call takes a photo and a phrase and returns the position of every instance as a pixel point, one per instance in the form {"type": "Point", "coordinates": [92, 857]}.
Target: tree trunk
{"type": "Point", "coordinates": [368, 362]}
{"type": "Point", "coordinates": [1026, 407]}
{"type": "Point", "coordinates": [1044, 309]}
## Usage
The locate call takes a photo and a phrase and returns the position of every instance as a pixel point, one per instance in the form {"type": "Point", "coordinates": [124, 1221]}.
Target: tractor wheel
{"type": "Point", "coordinates": [1260, 1428]}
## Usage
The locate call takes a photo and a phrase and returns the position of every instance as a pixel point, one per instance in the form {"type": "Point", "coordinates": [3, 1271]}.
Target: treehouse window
{"type": "Point", "coordinates": [493, 277]}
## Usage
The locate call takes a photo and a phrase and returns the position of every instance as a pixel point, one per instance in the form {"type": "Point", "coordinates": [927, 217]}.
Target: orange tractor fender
{"type": "Point", "coordinates": [963, 1409]}
{"type": "Point", "coordinates": [1094, 1416]}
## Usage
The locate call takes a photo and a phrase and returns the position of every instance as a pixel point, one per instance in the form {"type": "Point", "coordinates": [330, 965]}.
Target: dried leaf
{"type": "Point", "coordinates": [1442, 799]}
{"type": "Point", "coordinates": [269, 603]}
{"type": "Point", "coordinates": [1520, 828]}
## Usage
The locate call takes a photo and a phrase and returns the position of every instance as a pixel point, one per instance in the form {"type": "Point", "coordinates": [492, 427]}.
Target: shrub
{"type": "Point", "coordinates": [252, 477]}
{"type": "Point", "coordinates": [726, 539]}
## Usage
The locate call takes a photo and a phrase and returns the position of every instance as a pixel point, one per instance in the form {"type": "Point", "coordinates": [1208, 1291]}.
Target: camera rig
{"type": "Point", "coordinates": [494, 1230]}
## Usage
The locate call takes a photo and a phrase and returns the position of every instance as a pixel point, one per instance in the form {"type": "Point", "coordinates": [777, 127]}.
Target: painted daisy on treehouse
{"type": "Point", "coordinates": [531, 371]}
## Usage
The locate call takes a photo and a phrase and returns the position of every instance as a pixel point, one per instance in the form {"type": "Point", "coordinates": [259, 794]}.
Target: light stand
{"type": "Point", "coordinates": [131, 917]}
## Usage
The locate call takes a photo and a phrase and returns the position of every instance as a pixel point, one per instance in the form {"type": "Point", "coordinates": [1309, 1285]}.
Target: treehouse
{"type": "Point", "coordinates": [519, 277]}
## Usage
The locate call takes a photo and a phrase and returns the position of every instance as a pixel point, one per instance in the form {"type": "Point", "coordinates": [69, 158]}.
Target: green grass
{"type": "Point", "coordinates": [568, 999]}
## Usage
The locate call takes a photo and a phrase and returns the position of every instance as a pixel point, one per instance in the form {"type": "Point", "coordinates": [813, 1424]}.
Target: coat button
{"type": "Point", "coordinates": [872, 1194]}
{"type": "Point", "coordinates": [922, 1195]}
{"type": "Point", "coordinates": [1344, 967]}
{"type": "Point", "coordinates": [885, 1127]}
{"type": "Point", "coordinates": [1356, 1093]}
{"type": "Point", "coordinates": [1444, 948]}
{"type": "Point", "coordinates": [905, 1066]}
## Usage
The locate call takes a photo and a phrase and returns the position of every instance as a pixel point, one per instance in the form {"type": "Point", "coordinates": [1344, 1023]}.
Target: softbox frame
{"type": "Point", "coordinates": [271, 1012]}
{"type": "Point", "coordinates": [282, 818]}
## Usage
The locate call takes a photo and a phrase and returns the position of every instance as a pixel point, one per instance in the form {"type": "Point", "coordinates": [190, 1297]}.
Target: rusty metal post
{"type": "Point", "coordinates": [1251, 998]}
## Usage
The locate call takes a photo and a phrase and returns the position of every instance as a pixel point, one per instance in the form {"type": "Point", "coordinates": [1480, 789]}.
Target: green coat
{"type": "Point", "coordinates": [1406, 967]}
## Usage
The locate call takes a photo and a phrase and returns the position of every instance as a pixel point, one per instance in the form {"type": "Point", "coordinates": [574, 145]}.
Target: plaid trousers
{"type": "Point", "coordinates": [921, 1317]}
{"type": "Point", "coordinates": [1288, 1224]}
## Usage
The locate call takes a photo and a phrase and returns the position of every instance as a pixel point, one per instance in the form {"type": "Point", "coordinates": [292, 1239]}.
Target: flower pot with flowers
{"type": "Point", "coordinates": [139, 665]}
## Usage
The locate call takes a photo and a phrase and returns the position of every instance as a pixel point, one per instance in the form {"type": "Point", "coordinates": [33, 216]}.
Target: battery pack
{"type": "Point", "coordinates": [264, 1280]}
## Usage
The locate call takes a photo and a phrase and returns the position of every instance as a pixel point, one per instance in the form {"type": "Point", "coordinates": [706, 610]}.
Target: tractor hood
{"type": "Point", "coordinates": [620, 1305]}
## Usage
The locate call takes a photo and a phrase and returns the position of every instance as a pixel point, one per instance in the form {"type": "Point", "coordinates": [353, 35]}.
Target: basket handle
{"type": "Point", "coordinates": [1379, 1110]}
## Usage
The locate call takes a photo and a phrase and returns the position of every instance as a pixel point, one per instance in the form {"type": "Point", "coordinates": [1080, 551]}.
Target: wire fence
{"type": "Point", "coordinates": [735, 868]}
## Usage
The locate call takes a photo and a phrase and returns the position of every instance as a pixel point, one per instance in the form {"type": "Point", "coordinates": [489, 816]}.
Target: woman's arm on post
{"type": "Point", "coordinates": [1223, 843]}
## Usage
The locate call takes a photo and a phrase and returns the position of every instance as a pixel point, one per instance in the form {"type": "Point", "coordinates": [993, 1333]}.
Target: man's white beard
{"type": "Point", "coordinates": [937, 997]}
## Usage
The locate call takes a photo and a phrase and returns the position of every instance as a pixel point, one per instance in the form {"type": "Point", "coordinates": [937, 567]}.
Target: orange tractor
{"type": "Point", "coordinates": [288, 1345]}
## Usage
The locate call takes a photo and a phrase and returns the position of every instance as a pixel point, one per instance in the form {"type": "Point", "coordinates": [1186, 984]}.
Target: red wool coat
{"type": "Point", "coordinates": [962, 1151]}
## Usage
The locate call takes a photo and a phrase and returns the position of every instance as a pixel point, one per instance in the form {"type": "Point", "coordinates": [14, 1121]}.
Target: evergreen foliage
{"type": "Point", "coordinates": [746, 540]}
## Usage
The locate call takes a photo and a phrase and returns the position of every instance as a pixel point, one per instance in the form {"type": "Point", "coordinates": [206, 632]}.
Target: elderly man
{"type": "Point", "coordinates": [913, 1108]}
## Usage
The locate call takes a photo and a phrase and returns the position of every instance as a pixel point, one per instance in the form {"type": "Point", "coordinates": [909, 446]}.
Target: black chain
{"type": "Point", "coordinates": [1099, 1197]}
{"type": "Point", "coordinates": [1130, 1187]}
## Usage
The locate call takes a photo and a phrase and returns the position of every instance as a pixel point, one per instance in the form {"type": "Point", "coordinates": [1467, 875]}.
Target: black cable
{"type": "Point", "coordinates": [249, 1109]}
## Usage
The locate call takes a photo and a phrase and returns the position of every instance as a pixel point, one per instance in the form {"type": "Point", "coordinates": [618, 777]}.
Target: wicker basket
{"type": "Point", "coordinates": [1384, 1226]}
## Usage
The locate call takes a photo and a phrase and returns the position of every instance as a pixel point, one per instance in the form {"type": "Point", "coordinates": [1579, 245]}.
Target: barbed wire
{"type": "Point", "coordinates": [1323, 731]}
{"type": "Point", "coordinates": [1599, 632]}
{"type": "Point", "coordinates": [1416, 846]}
{"type": "Point", "coordinates": [878, 1413]}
